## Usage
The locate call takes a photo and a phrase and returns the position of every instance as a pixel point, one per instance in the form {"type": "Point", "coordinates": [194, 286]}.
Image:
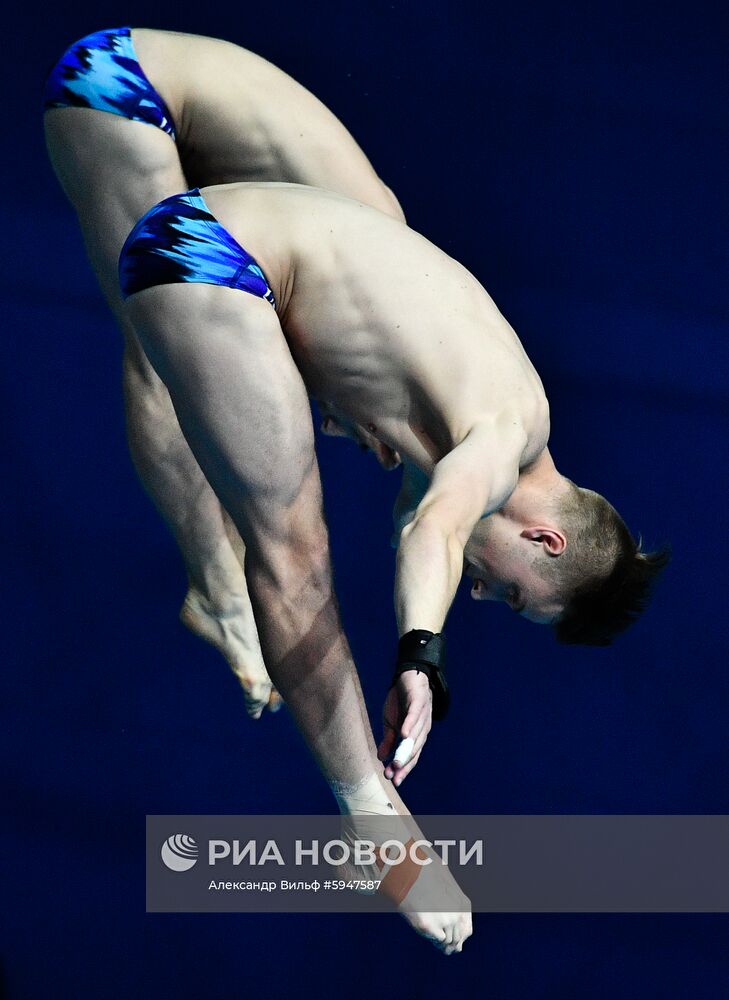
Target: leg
{"type": "Point", "coordinates": [217, 607]}
{"type": "Point", "coordinates": [243, 408]}
{"type": "Point", "coordinates": [110, 193]}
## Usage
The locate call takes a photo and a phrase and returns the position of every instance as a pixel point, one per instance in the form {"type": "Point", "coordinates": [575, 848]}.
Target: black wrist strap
{"type": "Point", "coordinates": [425, 652]}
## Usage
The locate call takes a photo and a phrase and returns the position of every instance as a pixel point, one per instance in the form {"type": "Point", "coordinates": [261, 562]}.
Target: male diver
{"type": "Point", "coordinates": [239, 292]}
{"type": "Point", "coordinates": [135, 115]}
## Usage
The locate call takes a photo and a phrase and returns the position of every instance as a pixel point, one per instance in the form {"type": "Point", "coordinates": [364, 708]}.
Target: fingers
{"type": "Point", "coordinates": [416, 726]}
{"type": "Point", "coordinates": [404, 751]}
{"type": "Point", "coordinates": [418, 715]}
{"type": "Point", "coordinates": [401, 773]}
{"type": "Point", "coordinates": [410, 700]}
{"type": "Point", "coordinates": [391, 715]}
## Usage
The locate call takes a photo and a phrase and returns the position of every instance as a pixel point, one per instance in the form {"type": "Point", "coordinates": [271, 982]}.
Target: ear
{"type": "Point", "coordinates": [554, 542]}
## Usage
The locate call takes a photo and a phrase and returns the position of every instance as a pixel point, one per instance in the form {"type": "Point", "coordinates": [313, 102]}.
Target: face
{"type": "Point", "coordinates": [334, 424]}
{"type": "Point", "coordinates": [504, 567]}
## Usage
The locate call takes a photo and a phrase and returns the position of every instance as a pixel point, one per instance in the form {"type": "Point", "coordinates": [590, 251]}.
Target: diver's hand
{"type": "Point", "coordinates": [407, 715]}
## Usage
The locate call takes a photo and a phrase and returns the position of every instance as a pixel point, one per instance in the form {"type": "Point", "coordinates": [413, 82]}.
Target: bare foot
{"type": "Point", "coordinates": [426, 895]}
{"type": "Point", "coordinates": [434, 905]}
{"type": "Point", "coordinates": [232, 631]}
{"type": "Point", "coordinates": [450, 924]}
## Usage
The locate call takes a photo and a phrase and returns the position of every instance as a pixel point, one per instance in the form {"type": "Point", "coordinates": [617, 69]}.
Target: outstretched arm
{"type": "Point", "coordinates": [408, 708]}
{"type": "Point", "coordinates": [476, 478]}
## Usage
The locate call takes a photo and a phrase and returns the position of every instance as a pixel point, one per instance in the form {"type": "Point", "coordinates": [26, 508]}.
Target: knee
{"type": "Point", "coordinates": [307, 556]}
{"type": "Point", "coordinates": [318, 558]}
{"type": "Point", "coordinates": [294, 565]}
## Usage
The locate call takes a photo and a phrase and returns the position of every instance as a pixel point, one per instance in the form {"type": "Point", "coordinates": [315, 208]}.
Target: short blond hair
{"type": "Point", "coordinates": [604, 578]}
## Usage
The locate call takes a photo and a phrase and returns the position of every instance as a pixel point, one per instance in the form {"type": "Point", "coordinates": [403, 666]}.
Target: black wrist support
{"type": "Point", "coordinates": [425, 652]}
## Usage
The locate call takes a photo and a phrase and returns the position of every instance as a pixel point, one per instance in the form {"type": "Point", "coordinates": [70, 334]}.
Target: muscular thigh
{"type": "Point", "coordinates": [112, 170]}
{"type": "Point", "coordinates": [239, 399]}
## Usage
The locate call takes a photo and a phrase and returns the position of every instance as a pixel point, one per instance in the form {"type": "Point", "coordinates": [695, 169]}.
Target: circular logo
{"type": "Point", "coordinates": [179, 852]}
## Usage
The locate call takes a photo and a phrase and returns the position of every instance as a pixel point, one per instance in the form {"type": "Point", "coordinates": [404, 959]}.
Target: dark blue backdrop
{"type": "Point", "coordinates": [576, 162]}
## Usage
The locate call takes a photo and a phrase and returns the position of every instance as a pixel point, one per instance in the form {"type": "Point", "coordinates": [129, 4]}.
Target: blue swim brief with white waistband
{"type": "Point", "coordinates": [180, 240]}
{"type": "Point", "coordinates": [101, 71]}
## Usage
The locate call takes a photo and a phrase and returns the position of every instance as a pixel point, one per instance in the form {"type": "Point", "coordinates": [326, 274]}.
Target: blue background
{"type": "Point", "coordinates": [576, 161]}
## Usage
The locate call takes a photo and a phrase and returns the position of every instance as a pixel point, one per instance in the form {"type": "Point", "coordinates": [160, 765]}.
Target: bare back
{"type": "Point", "coordinates": [382, 324]}
{"type": "Point", "coordinates": [240, 118]}
{"type": "Point", "coordinates": [237, 118]}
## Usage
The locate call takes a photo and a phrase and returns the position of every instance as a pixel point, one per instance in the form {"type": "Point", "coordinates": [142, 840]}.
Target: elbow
{"type": "Point", "coordinates": [428, 530]}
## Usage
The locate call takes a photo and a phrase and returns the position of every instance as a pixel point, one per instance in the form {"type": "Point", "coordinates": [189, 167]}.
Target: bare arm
{"type": "Point", "coordinates": [474, 479]}
{"type": "Point", "coordinates": [413, 488]}
{"type": "Point", "coordinates": [433, 524]}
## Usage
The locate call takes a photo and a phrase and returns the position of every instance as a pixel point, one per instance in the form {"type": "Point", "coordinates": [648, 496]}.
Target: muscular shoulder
{"type": "Point", "coordinates": [536, 426]}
